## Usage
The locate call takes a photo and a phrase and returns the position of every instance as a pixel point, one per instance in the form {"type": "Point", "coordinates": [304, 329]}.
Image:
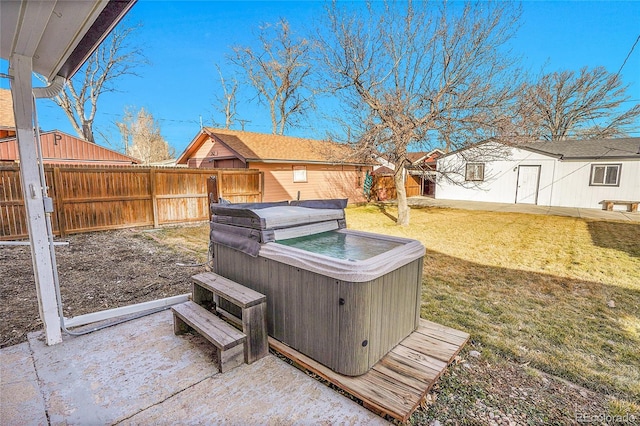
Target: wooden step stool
{"type": "Point", "coordinates": [226, 338]}
{"type": "Point", "coordinates": [208, 285]}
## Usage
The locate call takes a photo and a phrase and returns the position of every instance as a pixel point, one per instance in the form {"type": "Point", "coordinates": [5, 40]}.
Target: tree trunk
{"type": "Point", "coordinates": [87, 132]}
{"type": "Point", "coordinates": [401, 193]}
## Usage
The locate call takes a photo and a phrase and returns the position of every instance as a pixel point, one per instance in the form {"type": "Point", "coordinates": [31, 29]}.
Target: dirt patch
{"type": "Point", "coordinates": [101, 270]}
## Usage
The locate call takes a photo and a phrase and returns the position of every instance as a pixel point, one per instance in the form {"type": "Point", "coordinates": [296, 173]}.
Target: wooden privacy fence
{"type": "Point", "coordinates": [109, 197]}
{"type": "Point", "coordinates": [384, 188]}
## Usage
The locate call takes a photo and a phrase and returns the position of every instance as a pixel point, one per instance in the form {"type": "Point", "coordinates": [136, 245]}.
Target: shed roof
{"type": "Point", "coordinates": [260, 147]}
{"type": "Point", "coordinates": [588, 149]}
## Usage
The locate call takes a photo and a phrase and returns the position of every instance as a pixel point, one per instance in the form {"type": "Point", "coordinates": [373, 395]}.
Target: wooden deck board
{"type": "Point", "coordinates": [438, 331]}
{"type": "Point", "coordinates": [398, 382]}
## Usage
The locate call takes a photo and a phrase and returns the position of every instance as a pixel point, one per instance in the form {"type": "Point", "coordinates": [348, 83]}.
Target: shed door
{"type": "Point", "coordinates": [528, 180]}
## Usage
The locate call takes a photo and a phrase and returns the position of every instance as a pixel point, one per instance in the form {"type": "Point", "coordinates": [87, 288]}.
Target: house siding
{"type": "Point", "coordinates": [213, 149]}
{"type": "Point", "coordinates": [323, 181]}
{"type": "Point", "coordinates": [562, 183]}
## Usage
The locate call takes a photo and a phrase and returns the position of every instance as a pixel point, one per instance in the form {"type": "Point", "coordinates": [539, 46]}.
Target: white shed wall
{"type": "Point", "coordinates": [572, 189]}
{"type": "Point", "coordinates": [500, 178]}
{"type": "Point", "coordinates": [562, 183]}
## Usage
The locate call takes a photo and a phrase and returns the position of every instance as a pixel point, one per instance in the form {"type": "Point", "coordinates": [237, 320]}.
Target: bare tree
{"type": "Point", "coordinates": [280, 72]}
{"type": "Point", "coordinates": [114, 58]}
{"type": "Point", "coordinates": [227, 103]}
{"type": "Point", "coordinates": [578, 105]}
{"type": "Point", "coordinates": [414, 74]}
{"type": "Point", "coordinates": [142, 139]}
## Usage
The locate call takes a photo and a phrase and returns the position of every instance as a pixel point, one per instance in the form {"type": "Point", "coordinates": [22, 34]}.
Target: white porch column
{"type": "Point", "coordinates": [32, 191]}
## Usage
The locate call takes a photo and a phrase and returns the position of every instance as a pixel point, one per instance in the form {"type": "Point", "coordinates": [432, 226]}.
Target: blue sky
{"type": "Point", "coordinates": [184, 40]}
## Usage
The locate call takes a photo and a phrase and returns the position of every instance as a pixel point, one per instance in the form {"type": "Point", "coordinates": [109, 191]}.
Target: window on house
{"type": "Point", "coordinates": [475, 172]}
{"type": "Point", "coordinates": [299, 173]}
{"type": "Point", "coordinates": [605, 174]}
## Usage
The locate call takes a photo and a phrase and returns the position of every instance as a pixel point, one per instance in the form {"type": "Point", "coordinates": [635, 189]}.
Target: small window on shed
{"type": "Point", "coordinates": [299, 173]}
{"type": "Point", "coordinates": [475, 172]}
{"type": "Point", "coordinates": [605, 174]}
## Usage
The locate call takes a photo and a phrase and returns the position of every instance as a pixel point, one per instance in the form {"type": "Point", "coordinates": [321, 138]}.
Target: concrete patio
{"type": "Point", "coordinates": [594, 214]}
{"type": "Point", "coordinates": [139, 372]}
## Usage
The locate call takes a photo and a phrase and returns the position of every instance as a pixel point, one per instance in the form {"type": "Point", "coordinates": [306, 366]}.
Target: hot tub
{"type": "Point", "coordinates": [342, 297]}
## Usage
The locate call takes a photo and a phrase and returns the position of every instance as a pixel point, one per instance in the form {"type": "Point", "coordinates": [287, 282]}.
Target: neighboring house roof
{"type": "Point", "coordinates": [416, 156]}
{"type": "Point", "coordinates": [588, 149]}
{"type": "Point", "coordinates": [413, 157]}
{"type": "Point", "coordinates": [260, 147]}
{"type": "Point", "coordinates": [383, 171]}
{"type": "Point", "coordinates": [7, 121]}
{"type": "Point", "coordinates": [59, 147]}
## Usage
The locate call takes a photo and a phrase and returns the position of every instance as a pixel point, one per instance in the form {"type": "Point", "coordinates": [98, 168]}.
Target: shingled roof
{"type": "Point", "coordinates": [260, 147]}
{"type": "Point", "coordinates": [621, 148]}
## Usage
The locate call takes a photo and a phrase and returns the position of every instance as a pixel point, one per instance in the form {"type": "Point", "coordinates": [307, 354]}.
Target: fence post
{"type": "Point", "coordinates": [261, 184]}
{"type": "Point", "coordinates": [154, 198]}
{"type": "Point", "coordinates": [220, 174]}
{"type": "Point", "coordinates": [58, 188]}
{"type": "Point", "coordinates": [212, 190]}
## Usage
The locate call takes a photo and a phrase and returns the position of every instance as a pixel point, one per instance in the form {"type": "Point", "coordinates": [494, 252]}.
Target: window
{"type": "Point", "coordinates": [605, 174]}
{"type": "Point", "coordinates": [475, 172]}
{"type": "Point", "coordinates": [299, 173]}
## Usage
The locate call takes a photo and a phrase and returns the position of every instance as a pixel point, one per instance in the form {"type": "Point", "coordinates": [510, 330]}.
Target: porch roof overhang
{"type": "Point", "coordinates": [59, 35]}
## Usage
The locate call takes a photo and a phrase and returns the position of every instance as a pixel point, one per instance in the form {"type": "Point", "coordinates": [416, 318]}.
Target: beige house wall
{"type": "Point", "coordinates": [211, 149]}
{"type": "Point", "coordinates": [323, 181]}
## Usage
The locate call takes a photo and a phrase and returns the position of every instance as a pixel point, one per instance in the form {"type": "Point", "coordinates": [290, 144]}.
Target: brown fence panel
{"type": "Point", "coordinates": [384, 188]}
{"type": "Point", "coordinates": [240, 186]}
{"type": "Point", "coordinates": [412, 186]}
{"type": "Point", "coordinates": [181, 195]}
{"type": "Point", "coordinates": [92, 199]}
{"type": "Point", "coordinates": [99, 198]}
{"type": "Point", "coordinates": [13, 221]}
{"type": "Point", "coordinates": [13, 214]}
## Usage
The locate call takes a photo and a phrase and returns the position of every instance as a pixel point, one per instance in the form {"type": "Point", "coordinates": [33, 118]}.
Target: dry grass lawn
{"type": "Point", "coordinates": [535, 289]}
{"type": "Point", "coordinates": [554, 295]}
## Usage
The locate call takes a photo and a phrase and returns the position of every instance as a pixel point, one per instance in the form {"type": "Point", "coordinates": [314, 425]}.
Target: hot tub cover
{"type": "Point", "coordinates": [277, 215]}
{"type": "Point", "coordinates": [245, 226]}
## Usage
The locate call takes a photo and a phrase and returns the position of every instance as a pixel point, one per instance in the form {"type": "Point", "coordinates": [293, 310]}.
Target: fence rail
{"type": "Point", "coordinates": [109, 197]}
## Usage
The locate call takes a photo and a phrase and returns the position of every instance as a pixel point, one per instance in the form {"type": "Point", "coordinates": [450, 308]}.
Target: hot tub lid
{"type": "Point", "coordinates": [274, 217]}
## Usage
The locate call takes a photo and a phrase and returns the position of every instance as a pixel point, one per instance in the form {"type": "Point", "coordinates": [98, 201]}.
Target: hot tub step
{"type": "Point", "coordinates": [235, 293]}
{"type": "Point", "coordinates": [207, 286]}
{"type": "Point", "coordinates": [227, 339]}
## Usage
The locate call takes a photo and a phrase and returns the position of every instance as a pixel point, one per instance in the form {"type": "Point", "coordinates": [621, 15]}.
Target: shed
{"type": "Point", "coordinates": [293, 167]}
{"type": "Point", "coordinates": [570, 173]}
